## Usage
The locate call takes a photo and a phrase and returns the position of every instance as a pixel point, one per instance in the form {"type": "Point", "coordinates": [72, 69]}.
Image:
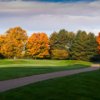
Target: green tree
{"type": "Point", "coordinates": [58, 40]}
{"type": "Point", "coordinates": [61, 41]}
{"type": "Point", "coordinates": [91, 49]}
{"type": "Point", "coordinates": [84, 46]}
{"type": "Point", "coordinates": [54, 40]}
{"type": "Point", "coordinates": [78, 48]}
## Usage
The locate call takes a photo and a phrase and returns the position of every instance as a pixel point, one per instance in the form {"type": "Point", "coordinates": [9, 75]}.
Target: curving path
{"type": "Point", "coordinates": [14, 83]}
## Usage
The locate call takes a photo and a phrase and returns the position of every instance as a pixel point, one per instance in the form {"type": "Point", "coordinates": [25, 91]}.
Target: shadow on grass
{"type": "Point", "coordinates": [83, 86]}
{"type": "Point", "coordinates": [16, 72]}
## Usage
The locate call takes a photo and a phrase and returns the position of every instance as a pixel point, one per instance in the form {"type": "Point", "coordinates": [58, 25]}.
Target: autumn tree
{"type": "Point", "coordinates": [98, 41]}
{"type": "Point", "coordinates": [14, 39]}
{"type": "Point", "coordinates": [97, 57]}
{"type": "Point", "coordinates": [38, 46]}
{"type": "Point", "coordinates": [2, 42]}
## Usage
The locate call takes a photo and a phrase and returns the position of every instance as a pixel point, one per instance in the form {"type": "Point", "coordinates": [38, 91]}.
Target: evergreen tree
{"type": "Point", "coordinates": [61, 41]}
{"type": "Point", "coordinates": [84, 46]}
{"type": "Point", "coordinates": [78, 47]}
{"type": "Point", "coordinates": [91, 48]}
{"type": "Point", "coordinates": [58, 40]}
{"type": "Point", "coordinates": [54, 41]}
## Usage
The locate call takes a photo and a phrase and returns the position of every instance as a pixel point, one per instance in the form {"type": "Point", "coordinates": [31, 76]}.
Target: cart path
{"type": "Point", "coordinates": [14, 83]}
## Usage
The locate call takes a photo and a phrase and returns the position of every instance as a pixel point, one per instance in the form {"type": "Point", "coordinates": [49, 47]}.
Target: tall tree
{"type": "Point", "coordinates": [38, 46]}
{"type": "Point", "coordinates": [77, 49]}
{"type": "Point", "coordinates": [2, 42]}
{"type": "Point", "coordinates": [98, 41]}
{"type": "Point", "coordinates": [13, 45]}
{"type": "Point", "coordinates": [61, 41]}
{"type": "Point", "coordinates": [97, 57]}
{"type": "Point", "coordinates": [58, 40]}
{"type": "Point", "coordinates": [91, 47]}
{"type": "Point", "coordinates": [54, 40]}
{"type": "Point", "coordinates": [84, 46]}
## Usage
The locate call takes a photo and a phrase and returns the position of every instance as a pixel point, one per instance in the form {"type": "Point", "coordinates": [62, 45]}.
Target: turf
{"type": "Point", "coordinates": [10, 69]}
{"type": "Point", "coordinates": [41, 62]}
{"type": "Point", "coordinates": [84, 86]}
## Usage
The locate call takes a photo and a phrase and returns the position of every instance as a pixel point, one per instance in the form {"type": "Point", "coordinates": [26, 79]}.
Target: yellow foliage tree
{"type": "Point", "coordinates": [2, 42]}
{"type": "Point", "coordinates": [38, 45]}
{"type": "Point", "coordinates": [13, 45]}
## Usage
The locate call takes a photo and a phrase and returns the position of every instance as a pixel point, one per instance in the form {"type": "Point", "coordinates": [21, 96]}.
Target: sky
{"type": "Point", "coordinates": [50, 15]}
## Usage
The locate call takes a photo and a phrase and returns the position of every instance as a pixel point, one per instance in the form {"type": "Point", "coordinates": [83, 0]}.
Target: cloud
{"type": "Point", "coordinates": [41, 16]}
{"type": "Point", "coordinates": [91, 8]}
{"type": "Point", "coordinates": [51, 0]}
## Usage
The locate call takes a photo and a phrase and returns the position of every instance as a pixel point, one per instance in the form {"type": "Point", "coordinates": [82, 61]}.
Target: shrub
{"type": "Point", "coordinates": [59, 54]}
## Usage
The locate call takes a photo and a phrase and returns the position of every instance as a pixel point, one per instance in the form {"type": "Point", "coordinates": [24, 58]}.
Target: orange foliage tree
{"type": "Point", "coordinates": [98, 41]}
{"type": "Point", "coordinates": [2, 42]}
{"type": "Point", "coordinates": [13, 43]}
{"type": "Point", "coordinates": [38, 46]}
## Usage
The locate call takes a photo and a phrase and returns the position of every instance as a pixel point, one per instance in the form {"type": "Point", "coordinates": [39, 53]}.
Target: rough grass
{"type": "Point", "coordinates": [84, 86]}
{"type": "Point", "coordinates": [10, 69]}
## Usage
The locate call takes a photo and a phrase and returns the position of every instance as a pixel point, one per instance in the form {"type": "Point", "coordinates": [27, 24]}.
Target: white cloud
{"type": "Point", "coordinates": [82, 8]}
{"type": "Point", "coordinates": [39, 16]}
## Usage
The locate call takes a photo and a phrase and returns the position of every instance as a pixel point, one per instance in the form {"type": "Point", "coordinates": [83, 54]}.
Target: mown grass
{"type": "Point", "coordinates": [42, 62]}
{"type": "Point", "coordinates": [10, 69]}
{"type": "Point", "coordinates": [84, 86]}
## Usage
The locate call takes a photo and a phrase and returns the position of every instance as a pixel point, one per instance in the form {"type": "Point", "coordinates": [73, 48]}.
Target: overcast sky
{"type": "Point", "coordinates": [50, 15]}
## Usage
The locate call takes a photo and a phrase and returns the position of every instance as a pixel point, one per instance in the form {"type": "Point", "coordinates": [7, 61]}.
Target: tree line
{"type": "Point", "coordinates": [15, 43]}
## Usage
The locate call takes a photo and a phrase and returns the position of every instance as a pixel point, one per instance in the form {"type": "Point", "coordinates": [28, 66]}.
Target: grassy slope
{"type": "Point", "coordinates": [18, 68]}
{"type": "Point", "coordinates": [84, 86]}
{"type": "Point", "coordinates": [41, 62]}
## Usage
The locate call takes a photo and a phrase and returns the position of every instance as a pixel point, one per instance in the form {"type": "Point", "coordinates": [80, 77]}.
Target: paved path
{"type": "Point", "coordinates": [14, 83]}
